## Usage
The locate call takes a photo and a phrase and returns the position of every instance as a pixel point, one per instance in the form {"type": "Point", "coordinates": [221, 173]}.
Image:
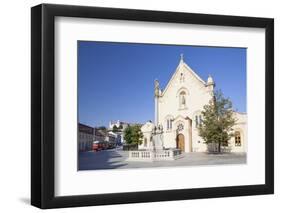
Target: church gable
{"type": "Point", "coordinates": [181, 75]}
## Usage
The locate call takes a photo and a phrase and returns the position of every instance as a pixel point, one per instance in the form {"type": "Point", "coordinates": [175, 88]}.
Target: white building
{"type": "Point", "coordinates": [111, 137]}
{"type": "Point", "coordinates": [85, 137]}
{"type": "Point", "coordinates": [119, 124]}
{"type": "Point", "coordinates": [178, 110]}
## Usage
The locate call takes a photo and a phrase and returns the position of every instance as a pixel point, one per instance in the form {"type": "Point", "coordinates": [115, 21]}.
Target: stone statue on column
{"type": "Point", "coordinates": [156, 88]}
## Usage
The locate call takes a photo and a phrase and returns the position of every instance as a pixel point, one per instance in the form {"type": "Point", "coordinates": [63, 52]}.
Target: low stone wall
{"type": "Point", "coordinates": [159, 155]}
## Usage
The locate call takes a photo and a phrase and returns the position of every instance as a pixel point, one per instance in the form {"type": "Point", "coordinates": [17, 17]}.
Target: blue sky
{"type": "Point", "coordinates": [116, 80]}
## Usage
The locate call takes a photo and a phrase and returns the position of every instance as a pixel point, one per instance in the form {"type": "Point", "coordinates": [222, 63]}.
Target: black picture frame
{"type": "Point", "coordinates": [43, 102]}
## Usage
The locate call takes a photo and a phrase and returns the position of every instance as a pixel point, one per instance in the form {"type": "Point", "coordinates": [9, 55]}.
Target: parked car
{"type": "Point", "coordinates": [111, 145]}
{"type": "Point", "coordinates": [104, 145]}
{"type": "Point", "coordinates": [97, 146]}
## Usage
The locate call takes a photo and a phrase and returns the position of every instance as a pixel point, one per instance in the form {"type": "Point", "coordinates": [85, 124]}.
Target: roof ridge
{"type": "Point", "coordinates": [182, 63]}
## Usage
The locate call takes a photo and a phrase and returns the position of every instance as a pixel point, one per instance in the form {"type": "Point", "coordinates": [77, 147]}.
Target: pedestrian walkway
{"type": "Point", "coordinates": [117, 159]}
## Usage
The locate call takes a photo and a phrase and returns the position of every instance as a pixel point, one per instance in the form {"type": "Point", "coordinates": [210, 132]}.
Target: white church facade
{"type": "Point", "coordinates": [178, 112]}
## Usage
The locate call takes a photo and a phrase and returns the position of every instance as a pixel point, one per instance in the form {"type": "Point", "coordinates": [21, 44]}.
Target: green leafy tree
{"type": "Point", "coordinates": [217, 122]}
{"type": "Point", "coordinates": [120, 126]}
{"type": "Point", "coordinates": [133, 134]}
{"type": "Point", "coordinates": [103, 128]}
{"type": "Point", "coordinates": [115, 129]}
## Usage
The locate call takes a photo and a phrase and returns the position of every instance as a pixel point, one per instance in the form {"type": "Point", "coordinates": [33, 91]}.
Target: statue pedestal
{"type": "Point", "coordinates": [157, 152]}
{"type": "Point", "coordinates": [157, 142]}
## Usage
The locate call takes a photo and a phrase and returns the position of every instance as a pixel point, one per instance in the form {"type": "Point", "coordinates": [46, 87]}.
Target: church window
{"type": "Point", "coordinates": [237, 138]}
{"type": "Point", "coordinates": [198, 120]}
{"type": "Point", "coordinates": [182, 99]}
{"type": "Point", "coordinates": [180, 127]}
{"type": "Point", "coordinates": [169, 123]}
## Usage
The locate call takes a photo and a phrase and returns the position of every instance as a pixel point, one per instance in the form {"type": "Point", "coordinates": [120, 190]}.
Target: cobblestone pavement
{"type": "Point", "coordinates": [117, 159]}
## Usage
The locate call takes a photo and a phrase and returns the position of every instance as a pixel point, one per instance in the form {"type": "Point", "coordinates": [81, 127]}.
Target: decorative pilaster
{"type": "Point", "coordinates": [190, 134]}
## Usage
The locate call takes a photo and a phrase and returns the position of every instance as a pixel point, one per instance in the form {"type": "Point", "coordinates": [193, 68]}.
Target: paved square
{"type": "Point", "coordinates": [117, 159]}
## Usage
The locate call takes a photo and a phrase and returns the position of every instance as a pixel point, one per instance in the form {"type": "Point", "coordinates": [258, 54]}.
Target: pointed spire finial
{"type": "Point", "coordinates": [182, 57]}
{"type": "Point", "coordinates": [210, 80]}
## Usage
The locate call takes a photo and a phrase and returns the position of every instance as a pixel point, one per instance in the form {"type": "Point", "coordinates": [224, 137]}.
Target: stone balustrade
{"type": "Point", "coordinates": [150, 155]}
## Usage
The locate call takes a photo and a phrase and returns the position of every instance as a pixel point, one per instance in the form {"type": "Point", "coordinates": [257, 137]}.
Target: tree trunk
{"type": "Point", "coordinates": [219, 147]}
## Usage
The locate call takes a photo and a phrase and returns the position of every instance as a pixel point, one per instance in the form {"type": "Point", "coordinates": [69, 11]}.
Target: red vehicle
{"type": "Point", "coordinates": [98, 145]}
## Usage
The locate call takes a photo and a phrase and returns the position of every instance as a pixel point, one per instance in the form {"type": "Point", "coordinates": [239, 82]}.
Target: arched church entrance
{"type": "Point", "coordinates": [180, 142]}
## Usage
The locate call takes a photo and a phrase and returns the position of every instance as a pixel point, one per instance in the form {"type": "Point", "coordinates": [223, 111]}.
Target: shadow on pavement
{"type": "Point", "coordinates": [112, 159]}
{"type": "Point", "coordinates": [105, 159]}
